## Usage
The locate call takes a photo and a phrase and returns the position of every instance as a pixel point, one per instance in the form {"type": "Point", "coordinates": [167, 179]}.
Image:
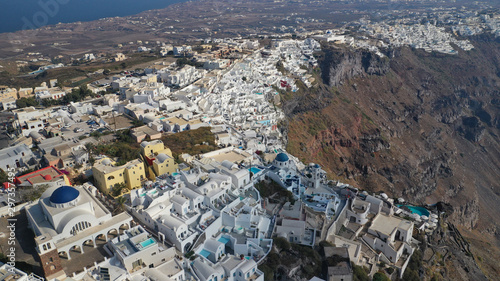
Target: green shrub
{"type": "Point", "coordinates": [379, 276]}
{"type": "Point", "coordinates": [281, 243]}
{"type": "Point", "coordinates": [360, 273]}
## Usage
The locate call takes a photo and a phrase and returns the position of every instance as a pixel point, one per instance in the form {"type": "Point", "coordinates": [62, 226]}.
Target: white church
{"type": "Point", "coordinates": [65, 219]}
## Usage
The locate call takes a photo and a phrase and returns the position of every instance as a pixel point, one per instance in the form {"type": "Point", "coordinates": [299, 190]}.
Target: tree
{"type": "Point", "coordinates": [85, 91]}
{"type": "Point", "coordinates": [411, 272]}
{"type": "Point", "coordinates": [137, 123]}
{"type": "Point", "coordinates": [123, 65]}
{"type": "Point", "coordinates": [78, 94]}
{"type": "Point", "coordinates": [379, 276]}
{"type": "Point", "coordinates": [360, 273]}
{"type": "Point", "coordinates": [120, 203]}
{"type": "Point", "coordinates": [49, 102]}
{"type": "Point", "coordinates": [3, 176]}
{"type": "Point", "coordinates": [117, 189]}
{"type": "Point", "coordinates": [25, 102]}
{"type": "Point", "coordinates": [60, 84]}
{"type": "Point", "coordinates": [90, 147]}
{"type": "Point", "coordinates": [96, 134]}
{"type": "Point", "coordinates": [281, 243]}
{"type": "Point", "coordinates": [106, 72]}
{"type": "Point", "coordinates": [411, 275]}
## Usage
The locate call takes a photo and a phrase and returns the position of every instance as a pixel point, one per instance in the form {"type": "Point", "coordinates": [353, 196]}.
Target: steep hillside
{"type": "Point", "coordinates": [416, 125]}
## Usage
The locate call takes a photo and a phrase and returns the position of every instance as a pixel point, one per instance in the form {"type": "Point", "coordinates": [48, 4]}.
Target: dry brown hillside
{"type": "Point", "coordinates": [418, 125]}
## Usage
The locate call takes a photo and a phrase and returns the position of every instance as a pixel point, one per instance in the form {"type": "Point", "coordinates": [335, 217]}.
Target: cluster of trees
{"type": "Point", "coordinates": [76, 95]}
{"type": "Point", "coordinates": [26, 102]}
{"type": "Point", "coordinates": [380, 276]}
{"type": "Point", "coordinates": [271, 188]}
{"type": "Point", "coordinates": [183, 61]}
{"type": "Point", "coordinates": [411, 272]}
{"type": "Point", "coordinates": [276, 263]}
{"type": "Point", "coordinates": [360, 273]}
{"type": "Point", "coordinates": [124, 151]}
{"type": "Point", "coordinates": [3, 176]}
{"type": "Point", "coordinates": [118, 188]}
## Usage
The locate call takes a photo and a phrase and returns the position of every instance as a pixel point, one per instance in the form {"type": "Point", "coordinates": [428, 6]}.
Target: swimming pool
{"type": "Point", "coordinates": [254, 170]}
{"type": "Point", "coordinates": [205, 253]}
{"type": "Point", "coordinates": [223, 240]}
{"type": "Point", "coordinates": [148, 242]}
{"type": "Point", "coordinates": [416, 210]}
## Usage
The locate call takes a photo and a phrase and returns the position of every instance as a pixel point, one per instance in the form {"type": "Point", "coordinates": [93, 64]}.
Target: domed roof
{"type": "Point", "coordinates": [228, 164]}
{"type": "Point", "coordinates": [162, 157]}
{"type": "Point", "coordinates": [64, 194]}
{"type": "Point", "coordinates": [282, 157]}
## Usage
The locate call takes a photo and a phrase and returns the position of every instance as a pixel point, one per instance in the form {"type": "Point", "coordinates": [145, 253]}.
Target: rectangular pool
{"type": "Point", "coordinates": [254, 170]}
{"type": "Point", "coordinates": [205, 253]}
{"type": "Point", "coordinates": [147, 243]}
{"type": "Point", "coordinates": [223, 240]}
{"type": "Point", "coordinates": [416, 210]}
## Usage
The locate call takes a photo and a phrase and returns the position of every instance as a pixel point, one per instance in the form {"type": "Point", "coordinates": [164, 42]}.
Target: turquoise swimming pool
{"type": "Point", "coordinates": [254, 170]}
{"type": "Point", "coordinates": [148, 242]}
{"type": "Point", "coordinates": [416, 210]}
{"type": "Point", "coordinates": [205, 253]}
{"type": "Point", "coordinates": [223, 240]}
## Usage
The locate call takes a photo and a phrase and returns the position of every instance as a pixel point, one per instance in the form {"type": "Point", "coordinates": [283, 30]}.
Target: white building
{"type": "Point", "coordinates": [137, 249]}
{"type": "Point", "coordinates": [68, 218]}
{"type": "Point", "coordinates": [17, 157]}
{"type": "Point", "coordinates": [8, 272]}
{"type": "Point", "coordinates": [392, 236]}
{"type": "Point", "coordinates": [182, 77]}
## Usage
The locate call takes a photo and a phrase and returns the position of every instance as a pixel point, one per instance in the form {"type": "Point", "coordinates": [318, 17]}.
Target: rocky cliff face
{"type": "Point", "coordinates": [339, 65]}
{"type": "Point", "coordinates": [413, 124]}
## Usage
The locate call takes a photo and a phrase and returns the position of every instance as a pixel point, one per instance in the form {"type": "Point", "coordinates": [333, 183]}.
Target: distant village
{"type": "Point", "coordinates": [200, 217]}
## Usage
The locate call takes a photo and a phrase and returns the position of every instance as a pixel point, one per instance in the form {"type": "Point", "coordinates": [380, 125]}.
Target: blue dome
{"type": "Point", "coordinates": [282, 157]}
{"type": "Point", "coordinates": [64, 194]}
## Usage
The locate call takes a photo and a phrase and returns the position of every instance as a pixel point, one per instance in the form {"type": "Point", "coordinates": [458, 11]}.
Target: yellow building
{"type": "Point", "coordinates": [25, 93]}
{"type": "Point", "coordinates": [8, 94]}
{"type": "Point", "coordinates": [159, 158]}
{"type": "Point", "coordinates": [107, 174]}
{"type": "Point", "coordinates": [150, 78]}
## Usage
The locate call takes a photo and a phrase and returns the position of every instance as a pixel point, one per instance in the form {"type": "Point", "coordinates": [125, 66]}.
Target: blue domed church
{"type": "Point", "coordinates": [284, 171]}
{"type": "Point", "coordinates": [282, 161]}
{"type": "Point", "coordinates": [65, 219]}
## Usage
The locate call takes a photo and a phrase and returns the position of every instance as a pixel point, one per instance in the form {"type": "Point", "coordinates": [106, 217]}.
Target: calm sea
{"type": "Point", "coordinates": [27, 14]}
